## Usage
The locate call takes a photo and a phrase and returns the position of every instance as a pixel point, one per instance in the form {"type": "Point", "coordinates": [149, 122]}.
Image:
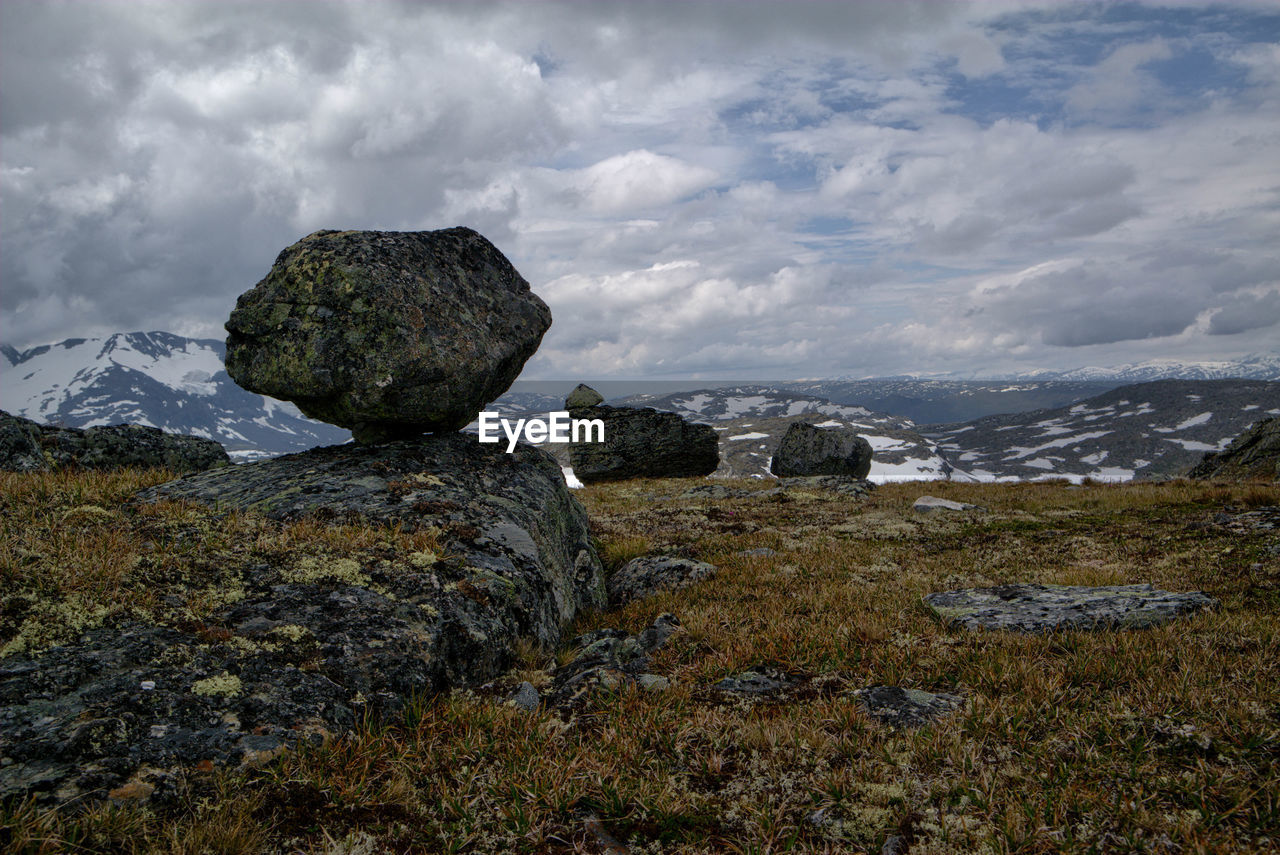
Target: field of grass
{"type": "Point", "coordinates": [1159, 740]}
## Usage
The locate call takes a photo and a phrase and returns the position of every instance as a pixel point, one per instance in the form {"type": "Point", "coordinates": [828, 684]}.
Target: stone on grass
{"type": "Point", "coordinates": [927, 504]}
{"type": "Point", "coordinates": [26, 446]}
{"type": "Point", "coordinates": [304, 642]}
{"type": "Point", "coordinates": [763, 680]}
{"type": "Point", "coordinates": [898, 707]}
{"type": "Point", "coordinates": [525, 697]}
{"type": "Point", "coordinates": [648, 575]}
{"type": "Point", "coordinates": [809, 450]}
{"type": "Point", "coordinates": [1044, 608]}
{"type": "Point", "coordinates": [390, 334]}
{"type": "Point", "coordinates": [643, 443]}
{"type": "Point", "coordinates": [611, 659]}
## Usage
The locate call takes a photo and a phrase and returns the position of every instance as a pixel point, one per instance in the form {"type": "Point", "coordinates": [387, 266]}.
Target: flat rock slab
{"type": "Point", "coordinates": [1045, 608]}
{"type": "Point", "coordinates": [898, 707]}
{"type": "Point", "coordinates": [928, 504]}
{"type": "Point", "coordinates": [762, 680]}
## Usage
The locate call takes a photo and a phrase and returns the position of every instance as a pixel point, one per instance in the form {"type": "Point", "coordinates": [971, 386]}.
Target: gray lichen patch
{"type": "Point", "coordinates": [1044, 608]}
{"type": "Point", "coordinates": [898, 707]}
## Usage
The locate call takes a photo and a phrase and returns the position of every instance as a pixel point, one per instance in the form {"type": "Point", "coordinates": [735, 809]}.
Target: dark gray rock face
{"type": "Point", "coordinates": [1254, 454]}
{"type": "Point", "coordinates": [763, 680]}
{"type": "Point", "coordinates": [643, 443]}
{"type": "Point", "coordinates": [809, 450]}
{"type": "Point", "coordinates": [612, 659]}
{"type": "Point", "coordinates": [390, 334]}
{"type": "Point", "coordinates": [1045, 608]}
{"type": "Point", "coordinates": [26, 446]}
{"type": "Point", "coordinates": [301, 646]}
{"type": "Point", "coordinates": [645, 576]}
{"type": "Point", "coordinates": [20, 449]}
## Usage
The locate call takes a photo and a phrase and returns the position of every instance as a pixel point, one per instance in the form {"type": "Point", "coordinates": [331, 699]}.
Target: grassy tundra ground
{"type": "Point", "coordinates": [1162, 740]}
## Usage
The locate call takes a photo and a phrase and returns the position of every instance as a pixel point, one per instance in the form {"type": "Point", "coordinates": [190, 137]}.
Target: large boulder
{"type": "Point", "coordinates": [294, 644]}
{"type": "Point", "coordinates": [26, 446]}
{"type": "Point", "coordinates": [640, 443]}
{"type": "Point", "coordinates": [1253, 455]}
{"type": "Point", "coordinates": [390, 334]}
{"type": "Point", "coordinates": [808, 450]}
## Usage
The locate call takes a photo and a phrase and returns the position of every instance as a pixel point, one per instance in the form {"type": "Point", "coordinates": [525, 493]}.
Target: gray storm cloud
{"type": "Point", "coordinates": [804, 188]}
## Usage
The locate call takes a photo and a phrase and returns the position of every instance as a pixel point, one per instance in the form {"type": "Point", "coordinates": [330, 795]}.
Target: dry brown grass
{"type": "Point", "coordinates": [1165, 740]}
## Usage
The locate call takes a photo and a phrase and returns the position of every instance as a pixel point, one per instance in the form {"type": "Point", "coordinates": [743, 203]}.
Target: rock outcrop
{"type": "Point", "coordinates": [295, 647]}
{"type": "Point", "coordinates": [390, 334]}
{"type": "Point", "coordinates": [1253, 455]}
{"type": "Point", "coordinates": [643, 577]}
{"type": "Point", "coordinates": [640, 443]}
{"type": "Point", "coordinates": [809, 450]}
{"type": "Point", "coordinates": [1045, 608]}
{"type": "Point", "coordinates": [26, 446]}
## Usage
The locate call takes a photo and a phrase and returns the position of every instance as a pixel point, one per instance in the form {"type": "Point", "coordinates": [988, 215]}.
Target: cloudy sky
{"type": "Point", "coordinates": [714, 190]}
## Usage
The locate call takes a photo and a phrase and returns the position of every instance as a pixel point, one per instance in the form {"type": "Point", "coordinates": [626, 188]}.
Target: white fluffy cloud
{"type": "Point", "coordinates": [791, 189]}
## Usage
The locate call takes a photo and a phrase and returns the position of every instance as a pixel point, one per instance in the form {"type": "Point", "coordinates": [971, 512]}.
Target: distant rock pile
{"type": "Point", "coordinates": [390, 334]}
{"type": "Point", "coordinates": [26, 446]}
{"type": "Point", "coordinates": [809, 450]}
{"type": "Point", "coordinates": [639, 443]}
{"type": "Point", "coordinates": [1253, 455]}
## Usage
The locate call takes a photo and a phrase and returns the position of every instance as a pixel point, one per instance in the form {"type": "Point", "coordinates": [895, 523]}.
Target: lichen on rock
{"type": "Point", "coordinates": [1043, 608]}
{"type": "Point", "coordinates": [391, 334]}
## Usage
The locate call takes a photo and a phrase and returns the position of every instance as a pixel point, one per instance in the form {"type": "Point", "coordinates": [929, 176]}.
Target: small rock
{"type": "Point", "coordinates": [759, 552]}
{"type": "Point", "coordinates": [928, 504]}
{"type": "Point", "coordinates": [582, 396]}
{"type": "Point", "coordinates": [653, 682]}
{"type": "Point", "coordinates": [900, 707]}
{"type": "Point", "coordinates": [758, 680]}
{"type": "Point", "coordinates": [526, 697]}
{"type": "Point", "coordinates": [648, 575]}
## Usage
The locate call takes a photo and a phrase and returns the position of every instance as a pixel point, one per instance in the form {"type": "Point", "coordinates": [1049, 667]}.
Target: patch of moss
{"type": "Point", "coordinates": [223, 685]}
{"type": "Point", "coordinates": [52, 623]}
{"type": "Point", "coordinates": [311, 569]}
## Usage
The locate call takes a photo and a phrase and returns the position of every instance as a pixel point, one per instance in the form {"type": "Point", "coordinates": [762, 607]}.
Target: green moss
{"type": "Point", "coordinates": [312, 569]}
{"type": "Point", "coordinates": [223, 685]}
{"type": "Point", "coordinates": [54, 623]}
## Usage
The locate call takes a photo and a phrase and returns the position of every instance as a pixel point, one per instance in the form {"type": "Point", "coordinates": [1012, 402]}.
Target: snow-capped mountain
{"type": "Point", "coordinates": [738, 402]}
{"type": "Point", "coordinates": [1254, 367]}
{"type": "Point", "coordinates": [1145, 430]}
{"type": "Point", "coordinates": [158, 379]}
{"type": "Point", "coordinates": [944, 401]}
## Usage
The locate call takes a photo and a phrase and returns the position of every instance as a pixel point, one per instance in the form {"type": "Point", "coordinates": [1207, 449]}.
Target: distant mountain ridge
{"type": "Point", "coordinates": [157, 379]}
{"type": "Point", "coordinates": [1144, 430]}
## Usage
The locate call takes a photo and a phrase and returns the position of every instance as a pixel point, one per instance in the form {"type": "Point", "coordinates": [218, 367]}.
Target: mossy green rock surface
{"type": "Point", "coordinates": [298, 644]}
{"type": "Point", "coordinates": [390, 334]}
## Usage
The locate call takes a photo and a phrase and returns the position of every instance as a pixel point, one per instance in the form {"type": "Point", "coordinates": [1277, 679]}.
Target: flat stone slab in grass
{"type": "Point", "coordinates": [1044, 608]}
{"type": "Point", "coordinates": [928, 504]}
{"type": "Point", "coordinates": [898, 707]}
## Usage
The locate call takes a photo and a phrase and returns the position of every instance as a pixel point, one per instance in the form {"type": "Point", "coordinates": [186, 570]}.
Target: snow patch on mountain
{"type": "Point", "coordinates": [156, 379]}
